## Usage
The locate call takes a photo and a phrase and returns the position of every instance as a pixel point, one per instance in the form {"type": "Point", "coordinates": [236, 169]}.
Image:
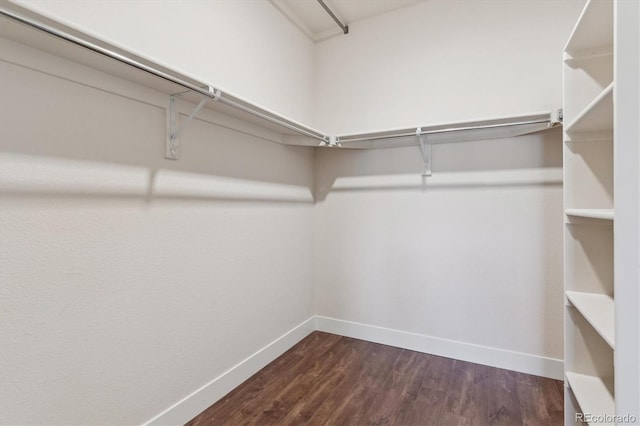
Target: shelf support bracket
{"type": "Point", "coordinates": [172, 148]}
{"type": "Point", "coordinates": [330, 142]}
{"type": "Point", "coordinates": [425, 149]}
{"type": "Point", "coordinates": [555, 118]}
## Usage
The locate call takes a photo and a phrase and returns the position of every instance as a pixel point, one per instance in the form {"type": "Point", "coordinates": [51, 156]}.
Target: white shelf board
{"type": "Point", "coordinates": [604, 214]}
{"type": "Point", "coordinates": [48, 43]}
{"type": "Point", "coordinates": [578, 57]}
{"type": "Point", "coordinates": [594, 27]}
{"type": "Point", "coordinates": [598, 310]}
{"type": "Point", "coordinates": [595, 117]}
{"type": "Point", "coordinates": [605, 136]}
{"type": "Point", "coordinates": [461, 131]}
{"type": "Point", "coordinates": [592, 394]}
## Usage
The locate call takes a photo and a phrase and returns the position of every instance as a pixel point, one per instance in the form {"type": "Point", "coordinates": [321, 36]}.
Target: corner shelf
{"type": "Point", "coordinates": [602, 214]}
{"type": "Point", "coordinates": [597, 116]}
{"type": "Point", "coordinates": [598, 310]}
{"type": "Point", "coordinates": [592, 394]}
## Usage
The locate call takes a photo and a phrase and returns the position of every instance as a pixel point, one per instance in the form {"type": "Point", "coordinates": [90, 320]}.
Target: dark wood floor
{"type": "Point", "coordinates": [334, 380]}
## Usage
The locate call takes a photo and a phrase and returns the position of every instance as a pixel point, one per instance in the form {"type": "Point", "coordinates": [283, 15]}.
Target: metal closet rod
{"type": "Point", "coordinates": [404, 134]}
{"type": "Point", "coordinates": [345, 28]}
{"type": "Point", "coordinates": [202, 89]}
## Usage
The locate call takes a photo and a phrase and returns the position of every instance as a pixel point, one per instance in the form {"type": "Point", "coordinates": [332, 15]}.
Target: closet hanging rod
{"type": "Point", "coordinates": [412, 132]}
{"type": "Point", "coordinates": [101, 50]}
{"type": "Point", "coordinates": [343, 27]}
{"type": "Point", "coordinates": [199, 88]}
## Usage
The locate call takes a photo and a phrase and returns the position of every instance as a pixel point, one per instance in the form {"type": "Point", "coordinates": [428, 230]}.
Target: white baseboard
{"type": "Point", "coordinates": [189, 407]}
{"type": "Point", "coordinates": [198, 401]}
{"type": "Point", "coordinates": [478, 354]}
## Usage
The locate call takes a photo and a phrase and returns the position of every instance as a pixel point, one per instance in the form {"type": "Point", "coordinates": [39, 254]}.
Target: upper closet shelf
{"type": "Point", "coordinates": [32, 29]}
{"type": "Point", "coordinates": [594, 29]}
{"type": "Point", "coordinates": [26, 27]}
{"type": "Point", "coordinates": [492, 128]}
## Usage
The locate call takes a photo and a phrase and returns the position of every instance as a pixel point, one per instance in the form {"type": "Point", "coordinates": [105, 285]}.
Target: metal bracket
{"type": "Point", "coordinates": [330, 142]}
{"type": "Point", "coordinates": [425, 149]}
{"type": "Point", "coordinates": [556, 118]}
{"type": "Point", "coordinates": [172, 148]}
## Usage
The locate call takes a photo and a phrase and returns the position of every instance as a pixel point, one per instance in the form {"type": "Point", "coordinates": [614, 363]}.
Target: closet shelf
{"type": "Point", "coordinates": [593, 29]}
{"type": "Point", "coordinates": [30, 28]}
{"type": "Point", "coordinates": [604, 214]}
{"type": "Point", "coordinates": [592, 394]}
{"type": "Point", "coordinates": [489, 128]}
{"type": "Point", "coordinates": [597, 116]}
{"type": "Point", "coordinates": [34, 30]}
{"type": "Point", "coordinates": [598, 310]}
{"type": "Point", "coordinates": [577, 57]}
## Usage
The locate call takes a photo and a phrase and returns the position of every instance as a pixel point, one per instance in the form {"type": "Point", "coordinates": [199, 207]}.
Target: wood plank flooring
{"type": "Point", "coordinates": [332, 380]}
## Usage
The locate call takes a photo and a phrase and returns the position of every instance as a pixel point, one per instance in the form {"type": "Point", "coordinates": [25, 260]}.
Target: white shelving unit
{"type": "Point", "coordinates": [589, 209]}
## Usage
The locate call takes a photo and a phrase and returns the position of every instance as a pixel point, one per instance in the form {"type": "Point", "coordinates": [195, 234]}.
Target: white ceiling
{"type": "Point", "coordinates": [311, 18]}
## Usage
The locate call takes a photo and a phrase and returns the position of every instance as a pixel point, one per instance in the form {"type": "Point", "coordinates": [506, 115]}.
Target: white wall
{"type": "Point", "coordinates": [130, 281]}
{"type": "Point", "coordinates": [243, 46]}
{"type": "Point", "coordinates": [475, 254]}
{"type": "Point", "coordinates": [442, 61]}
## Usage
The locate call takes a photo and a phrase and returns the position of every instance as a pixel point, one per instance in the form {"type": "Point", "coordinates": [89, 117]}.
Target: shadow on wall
{"type": "Point", "coordinates": [534, 159]}
{"type": "Point", "coordinates": [81, 141]}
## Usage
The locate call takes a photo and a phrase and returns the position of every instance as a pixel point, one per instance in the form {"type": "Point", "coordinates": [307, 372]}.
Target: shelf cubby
{"type": "Point", "coordinates": [587, 169]}
{"type": "Point", "coordinates": [594, 28]}
{"type": "Point", "coordinates": [587, 76]}
{"type": "Point", "coordinates": [588, 259]}
{"type": "Point", "coordinates": [587, 352]}
{"type": "Point", "coordinates": [595, 117]}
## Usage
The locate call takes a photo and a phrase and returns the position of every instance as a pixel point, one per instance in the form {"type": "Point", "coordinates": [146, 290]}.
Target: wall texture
{"type": "Point", "coordinates": [130, 281]}
{"type": "Point", "coordinates": [243, 46]}
{"type": "Point", "coordinates": [474, 253]}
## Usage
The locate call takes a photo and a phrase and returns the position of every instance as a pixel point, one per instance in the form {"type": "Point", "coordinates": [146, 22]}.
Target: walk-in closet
{"type": "Point", "coordinates": [320, 212]}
